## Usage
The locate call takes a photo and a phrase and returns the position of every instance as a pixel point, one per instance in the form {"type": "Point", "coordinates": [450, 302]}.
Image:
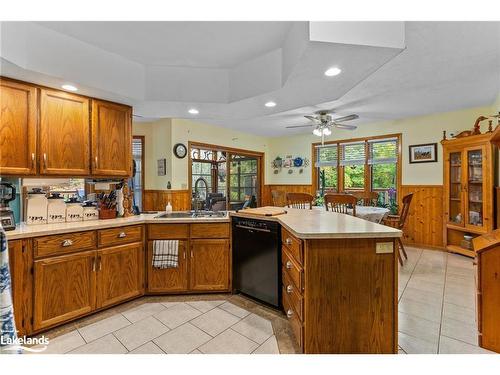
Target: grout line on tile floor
{"type": "Point", "coordinates": [442, 304]}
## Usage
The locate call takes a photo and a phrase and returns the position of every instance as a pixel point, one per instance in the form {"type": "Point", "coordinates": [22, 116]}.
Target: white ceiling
{"type": "Point", "coordinates": [228, 70]}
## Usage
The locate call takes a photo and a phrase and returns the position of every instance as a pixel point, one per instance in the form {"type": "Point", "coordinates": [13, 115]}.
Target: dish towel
{"type": "Point", "coordinates": [166, 254]}
{"type": "Point", "coordinates": [8, 333]}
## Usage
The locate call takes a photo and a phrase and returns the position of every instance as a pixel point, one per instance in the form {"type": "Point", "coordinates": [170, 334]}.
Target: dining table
{"type": "Point", "coordinates": [373, 214]}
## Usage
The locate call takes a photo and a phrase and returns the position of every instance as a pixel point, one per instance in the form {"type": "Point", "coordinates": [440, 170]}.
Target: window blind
{"type": "Point", "coordinates": [352, 153]}
{"type": "Point", "coordinates": [327, 156]}
{"type": "Point", "coordinates": [383, 151]}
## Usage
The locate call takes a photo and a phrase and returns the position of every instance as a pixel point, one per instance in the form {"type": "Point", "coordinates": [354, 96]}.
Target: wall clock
{"type": "Point", "coordinates": [180, 150]}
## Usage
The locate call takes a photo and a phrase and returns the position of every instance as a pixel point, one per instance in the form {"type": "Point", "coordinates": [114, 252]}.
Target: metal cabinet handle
{"type": "Point", "coordinates": [288, 241]}
{"type": "Point", "coordinates": [67, 243]}
{"type": "Point", "coordinates": [192, 254]}
{"type": "Point", "coordinates": [289, 313]}
{"type": "Point", "coordinates": [95, 162]}
{"type": "Point", "coordinates": [32, 160]}
{"type": "Point", "coordinates": [93, 264]}
{"type": "Point", "coordinates": [44, 160]}
{"type": "Point", "coordinates": [289, 289]}
{"type": "Point", "coordinates": [288, 265]}
{"type": "Point", "coordinates": [100, 263]}
{"type": "Point", "coordinates": [122, 235]}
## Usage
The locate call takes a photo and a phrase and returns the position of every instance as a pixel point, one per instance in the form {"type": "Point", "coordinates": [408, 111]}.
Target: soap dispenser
{"type": "Point", "coordinates": [168, 208]}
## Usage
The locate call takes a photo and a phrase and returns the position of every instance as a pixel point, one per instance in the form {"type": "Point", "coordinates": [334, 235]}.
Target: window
{"type": "Point", "coordinates": [138, 178]}
{"type": "Point", "coordinates": [383, 160]}
{"type": "Point", "coordinates": [353, 160]}
{"type": "Point", "coordinates": [370, 164]}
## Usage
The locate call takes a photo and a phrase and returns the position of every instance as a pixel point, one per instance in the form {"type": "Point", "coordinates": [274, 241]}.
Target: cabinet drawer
{"type": "Point", "coordinates": [293, 244]}
{"type": "Point", "coordinates": [168, 231]}
{"type": "Point", "coordinates": [64, 243]}
{"type": "Point", "coordinates": [294, 296]}
{"type": "Point", "coordinates": [118, 236]}
{"type": "Point", "coordinates": [209, 230]}
{"type": "Point", "coordinates": [293, 270]}
{"type": "Point", "coordinates": [293, 319]}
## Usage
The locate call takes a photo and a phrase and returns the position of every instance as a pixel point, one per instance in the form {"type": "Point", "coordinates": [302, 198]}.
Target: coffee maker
{"type": "Point", "coordinates": [7, 194]}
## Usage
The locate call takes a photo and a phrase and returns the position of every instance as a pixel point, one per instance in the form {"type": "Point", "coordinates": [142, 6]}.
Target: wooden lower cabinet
{"type": "Point", "coordinates": [21, 263]}
{"type": "Point", "coordinates": [119, 273]}
{"type": "Point", "coordinates": [209, 265]}
{"type": "Point", "coordinates": [168, 279]}
{"type": "Point", "coordinates": [64, 288]}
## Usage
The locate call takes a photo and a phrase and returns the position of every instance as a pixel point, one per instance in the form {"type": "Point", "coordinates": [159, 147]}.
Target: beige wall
{"type": "Point", "coordinates": [162, 135]}
{"type": "Point", "coordinates": [416, 130]}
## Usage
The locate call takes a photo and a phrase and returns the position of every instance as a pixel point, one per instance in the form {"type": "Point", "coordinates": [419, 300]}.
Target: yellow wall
{"type": "Point", "coordinates": [415, 130]}
{"type": "Point", "coordinates": [162, 135]}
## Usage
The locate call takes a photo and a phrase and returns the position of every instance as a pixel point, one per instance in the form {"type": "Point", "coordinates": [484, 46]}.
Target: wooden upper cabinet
{"type": "Point", "coordinates": [18, 128]}
{"type": "Point", "coordinates": [64, 134]}
{"type": "Point", "coordinates": [111, 139]}
{"type": "Point", "coordinates": [209, 265]}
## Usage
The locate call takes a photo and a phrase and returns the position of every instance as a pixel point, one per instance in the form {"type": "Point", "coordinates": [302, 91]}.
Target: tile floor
{"type": "Point", "coordinates": [437, 308]}
{"type": "Point", "coordinates": [190, 325]}
{"type": "Point", "coordinates": [437, 314]}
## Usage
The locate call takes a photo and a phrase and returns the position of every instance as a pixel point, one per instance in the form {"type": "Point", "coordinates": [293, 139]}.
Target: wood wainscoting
{"type": "Point", "coordinates": [267, 199]}
{"type": "Point", "coordinates": [156, 200]}
{"type": "Point", "coordinates": [424, 226]}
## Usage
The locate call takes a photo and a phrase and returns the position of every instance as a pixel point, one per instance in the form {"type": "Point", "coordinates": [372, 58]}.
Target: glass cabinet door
{"type": "Point", "coordinates": [456, 215]}
{"type": "Point", "coordinates": [475, 215]}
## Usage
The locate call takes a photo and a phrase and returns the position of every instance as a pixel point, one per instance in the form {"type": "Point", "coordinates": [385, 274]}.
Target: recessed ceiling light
{"type": "Point", "coordinates": [69, 87]}
{"type": "Point", "coordinates": [270, 104]}
{"type": "Point", "coordinates": [194, 111]}
{"type": "Point", "coordinates": [333, 72]}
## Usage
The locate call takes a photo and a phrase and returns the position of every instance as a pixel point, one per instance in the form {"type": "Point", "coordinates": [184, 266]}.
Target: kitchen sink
{"type": "Point", "coordinates": [191, 214]}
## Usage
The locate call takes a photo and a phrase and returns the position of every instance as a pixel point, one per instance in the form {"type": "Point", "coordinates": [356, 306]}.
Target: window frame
{"type": "Point", "coordinates": [368, 167]}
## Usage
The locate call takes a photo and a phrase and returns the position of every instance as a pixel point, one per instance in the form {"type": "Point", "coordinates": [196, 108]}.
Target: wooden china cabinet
{"type": "Point", "coordinates": [470, 165]}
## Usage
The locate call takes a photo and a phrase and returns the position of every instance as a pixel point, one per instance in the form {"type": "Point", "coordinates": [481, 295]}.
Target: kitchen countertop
{"type": "Point", "coordinates": [320, 224]}
{"type": "Point", "coordinates": [305, 224]}
{"type": "Point", "coordinates": [24, 231]}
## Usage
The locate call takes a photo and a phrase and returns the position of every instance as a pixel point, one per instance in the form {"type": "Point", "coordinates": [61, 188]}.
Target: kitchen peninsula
{"type": "Point", "coordinates": [339, 272]}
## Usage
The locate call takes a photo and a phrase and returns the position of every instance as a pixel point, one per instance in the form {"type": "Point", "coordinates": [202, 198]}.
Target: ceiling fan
{"type": "Point", "coordinates": [322, 121]}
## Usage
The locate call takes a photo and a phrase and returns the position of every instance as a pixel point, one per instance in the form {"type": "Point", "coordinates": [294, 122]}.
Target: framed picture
{"type": "Point", "coordinates": [162, 167]}
{"type": "Point", "coordinates": [425, 153]}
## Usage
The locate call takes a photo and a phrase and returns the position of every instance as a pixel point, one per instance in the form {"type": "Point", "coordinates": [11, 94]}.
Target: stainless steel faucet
{"type": "Point", "coordinates": [197, 193]}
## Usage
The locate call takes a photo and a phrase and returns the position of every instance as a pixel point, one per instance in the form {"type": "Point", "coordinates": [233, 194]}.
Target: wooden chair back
{"type": "Point", "coordinates": [299, 200]}
{"type": "Point", "coordinates": [341, 203]}
{"type": "Point", "coordinates": [367, 198]}
{"type": "Point", "coordinates": [279, 198]}
{"type": "Point", "coordinates": [404, 210]}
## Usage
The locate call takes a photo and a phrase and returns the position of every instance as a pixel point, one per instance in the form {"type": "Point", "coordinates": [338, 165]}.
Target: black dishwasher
{"type": "Point", "coordinates": [257, 259]}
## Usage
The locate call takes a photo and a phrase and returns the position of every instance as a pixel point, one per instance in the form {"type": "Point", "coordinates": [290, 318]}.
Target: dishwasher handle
{"type": "Point", "coordinates": [251, 228]}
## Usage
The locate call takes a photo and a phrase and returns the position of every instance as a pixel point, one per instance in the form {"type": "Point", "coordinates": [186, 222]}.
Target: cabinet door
{"type": "Point", "coordinates": [168, 279]}
{"type": "Point", "coordinates": [64, 134]}
{"type": "Point", "coordinates": [454, 180]}
{"type": "Point", "coordinates": [64, 288]}
{"type": "Point", "coordinates": [20, 261]}
{"type": "Point", "coordinates": [18, 128]}
{"type": "Point", "coordinates": [119, 273]}
{"type": "Point", "coordinates": [111, 139]}
{"type": "Point", "coordinates": [209, 264]}
{"type": "Point", "coordinates": [477, 179]}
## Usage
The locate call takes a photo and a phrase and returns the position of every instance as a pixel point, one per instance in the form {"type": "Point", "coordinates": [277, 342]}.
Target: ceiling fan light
{"type": "Point", "coordinates": [317, 131]}
{"type": "Point", "coordinates": [327, 131]}
{"type": "Point", "coordinates": [333, 71]}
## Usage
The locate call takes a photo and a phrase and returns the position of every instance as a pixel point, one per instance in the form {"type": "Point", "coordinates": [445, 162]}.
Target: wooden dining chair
{"type": "Point", "coordinates": [299, 200]}
{"type": "Point", "coordinates": [341, 203]}
{"type": "Point", "coordinates": [279, 198]}
{"type": "Point", "coordinates": [398, 222]}
{"type": "Point", "coordinates": [367, 198]}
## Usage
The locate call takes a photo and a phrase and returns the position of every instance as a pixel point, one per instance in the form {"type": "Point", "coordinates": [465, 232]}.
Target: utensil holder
{"type": "Point", "coordinates": [107, 213]}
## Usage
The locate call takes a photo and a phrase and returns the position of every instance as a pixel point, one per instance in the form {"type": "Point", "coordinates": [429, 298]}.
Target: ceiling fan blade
{"type": "Point", "coordinates": [312, 118]}
{"type": "Point", "coordinates": [346, 118]}
{"type": "Point", "coordinates": [345, 126]}
{"type": "Point", "coordinates": [299, 126]}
